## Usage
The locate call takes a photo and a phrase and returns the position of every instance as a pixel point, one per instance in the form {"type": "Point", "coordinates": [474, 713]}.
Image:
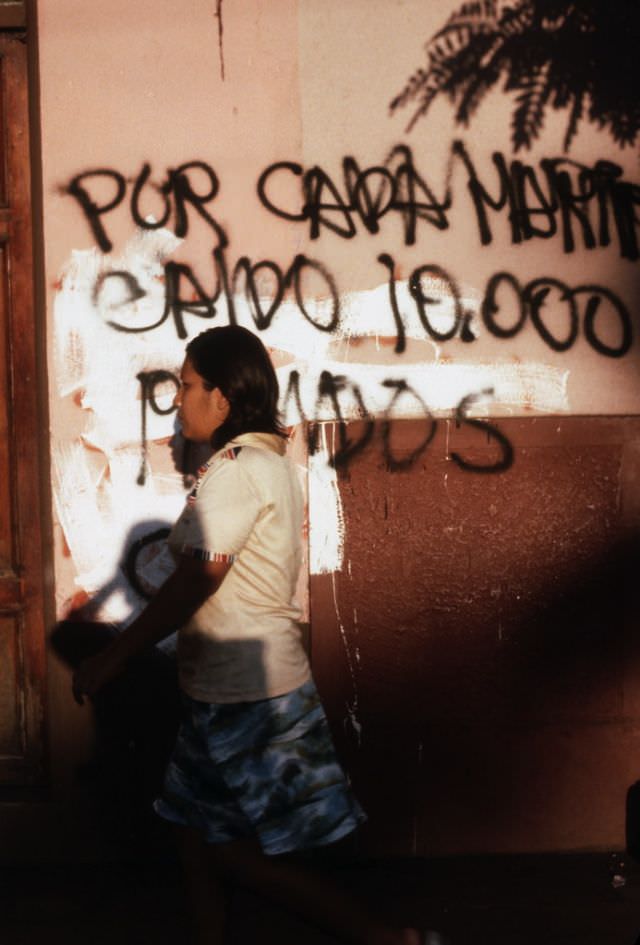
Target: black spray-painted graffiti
{"type": "Point", "coordinates": [185, 294]}
{"type": "Point", "coordinates": [329, 391]}
{"type": "Point", "coordinates": [539, 301]}
{"type": "Point", "coordinates": [559, 197]}
{"type": "Point", "coordinates": [588, 206]}
{"type": "Point", "coordinates": [331, 386]}
{"type": "Point", "coordinates": [149, 382]}
{"type": "Point", "coordinates": [176, 194]}
{"type": "Point", "coordinates": [580, 57]}
{"type": "Point", "coordinates": [567, 203]}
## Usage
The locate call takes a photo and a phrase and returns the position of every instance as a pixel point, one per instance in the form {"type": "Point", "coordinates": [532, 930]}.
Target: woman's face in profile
{"type": "Point", "coordinates": [200, 410]}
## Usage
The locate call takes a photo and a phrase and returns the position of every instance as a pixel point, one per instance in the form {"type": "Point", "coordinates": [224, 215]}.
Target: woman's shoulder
{"type": "Point", "coordinates": [261, 451]}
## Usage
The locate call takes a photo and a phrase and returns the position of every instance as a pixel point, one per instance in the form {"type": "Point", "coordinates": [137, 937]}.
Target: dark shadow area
{"type": "Point", "coordinates": [587, 613]}
{"type": "Point", "coordinates": [137, 715]}
{"type": "Point", "coordinates": [583, 629]}
{"type": "Point", "coordinates": [136, 721]}
{"type": "Point", "coordinates": [474, 900]}
{"type": "Point", "coordinates": [632, 822]}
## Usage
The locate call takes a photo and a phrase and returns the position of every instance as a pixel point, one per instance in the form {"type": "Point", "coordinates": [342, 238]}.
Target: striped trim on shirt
{"type": "Point", "coordinates": [231, 453]}
{"type": "Point", "coordinates": [201, 554]}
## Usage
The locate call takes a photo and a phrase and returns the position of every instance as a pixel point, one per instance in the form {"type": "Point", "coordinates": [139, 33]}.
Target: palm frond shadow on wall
{"type": "Point", "coordinates": [580, 57]}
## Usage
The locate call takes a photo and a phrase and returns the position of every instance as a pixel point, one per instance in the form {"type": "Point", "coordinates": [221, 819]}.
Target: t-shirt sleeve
{"type": "Point", "coordinates": [221, 516]}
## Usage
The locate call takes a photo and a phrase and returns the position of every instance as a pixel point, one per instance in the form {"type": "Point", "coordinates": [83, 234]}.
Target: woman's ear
{"type": "Point", "coordinates": [221, 403]}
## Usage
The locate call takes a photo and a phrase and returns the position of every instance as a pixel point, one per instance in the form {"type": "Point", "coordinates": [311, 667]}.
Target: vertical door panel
{"type": "Point", "coordinates": [22, 663]}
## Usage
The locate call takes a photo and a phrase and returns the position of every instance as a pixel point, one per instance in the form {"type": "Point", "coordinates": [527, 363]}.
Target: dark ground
{"type": "Point", "coordinates": [499, 900]}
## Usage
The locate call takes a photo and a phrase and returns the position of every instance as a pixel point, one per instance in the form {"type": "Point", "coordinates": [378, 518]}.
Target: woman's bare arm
{"type": "Point", "coordinates": [181, 595]}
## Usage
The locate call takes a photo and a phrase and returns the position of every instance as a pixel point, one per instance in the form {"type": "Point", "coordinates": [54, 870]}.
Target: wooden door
{"type": "Point", "coordinates": [22, 658]}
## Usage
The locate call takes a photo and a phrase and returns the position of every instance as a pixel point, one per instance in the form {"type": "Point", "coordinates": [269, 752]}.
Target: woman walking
{"type": "Point", "coordinates": [253, 776]}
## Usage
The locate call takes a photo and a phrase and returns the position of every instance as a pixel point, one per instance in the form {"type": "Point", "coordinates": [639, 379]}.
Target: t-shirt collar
{"type": "Point", "coordinates": [263, 441]}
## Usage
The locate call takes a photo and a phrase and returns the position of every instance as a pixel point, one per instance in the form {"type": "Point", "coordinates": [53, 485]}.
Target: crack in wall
{"type": "Point", "coordinates": [218, 16]}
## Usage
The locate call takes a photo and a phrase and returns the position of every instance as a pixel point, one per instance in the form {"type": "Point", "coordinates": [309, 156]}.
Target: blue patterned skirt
{"type": "Point", "coordinates": [265, 769]}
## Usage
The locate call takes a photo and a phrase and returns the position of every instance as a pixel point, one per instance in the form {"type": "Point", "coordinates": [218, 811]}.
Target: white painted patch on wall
{"type": "Point", "coordinates": [102, 515]}
{"type": "Point", "coordinates": [438, 387]}
{"type": "Point", "coordinates": [95, 291]}
{"type": "Point", "coordinates": [98, 363]}
{"type": "Point", "coordinates": [326, 524]}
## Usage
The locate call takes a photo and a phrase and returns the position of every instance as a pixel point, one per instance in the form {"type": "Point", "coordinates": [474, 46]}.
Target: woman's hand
{"type": "Point", "coordinates": [94, 673]}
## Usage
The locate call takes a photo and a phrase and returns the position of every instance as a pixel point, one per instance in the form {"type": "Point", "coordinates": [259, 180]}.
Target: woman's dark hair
{"type": "Point", "coordinates": [234, 360]}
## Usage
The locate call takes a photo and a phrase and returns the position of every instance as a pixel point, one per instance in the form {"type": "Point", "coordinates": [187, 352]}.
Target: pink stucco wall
{"type": "Point", "coordinates": [307, 82]}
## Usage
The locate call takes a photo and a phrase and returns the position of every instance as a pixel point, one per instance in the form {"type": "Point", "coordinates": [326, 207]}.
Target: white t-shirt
{"type": "Point", "coordinates": [244, 643]}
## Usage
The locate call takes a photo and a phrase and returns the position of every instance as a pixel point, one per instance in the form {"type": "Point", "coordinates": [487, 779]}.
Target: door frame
{"type": "Point", "coordinates": [26, 603]}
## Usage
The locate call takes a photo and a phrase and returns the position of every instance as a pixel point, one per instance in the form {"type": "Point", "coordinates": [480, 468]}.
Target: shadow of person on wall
{"type": "Point", "coordinates": [137, 716]}
{"type": "Point", "coordinates": [138, 713]}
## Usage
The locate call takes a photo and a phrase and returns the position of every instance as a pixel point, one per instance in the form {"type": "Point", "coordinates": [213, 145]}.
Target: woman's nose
{"type": "Point", "coordinates": [177, 400]}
